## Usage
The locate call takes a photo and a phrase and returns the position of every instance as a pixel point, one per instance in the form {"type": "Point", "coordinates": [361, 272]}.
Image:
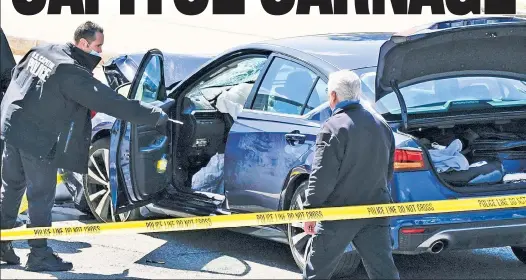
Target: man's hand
{"type": "Point", "coordinates": [309, 228]}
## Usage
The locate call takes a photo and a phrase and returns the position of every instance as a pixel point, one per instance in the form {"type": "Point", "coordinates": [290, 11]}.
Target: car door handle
{"type": "Point", "coordinates": [295, 136]}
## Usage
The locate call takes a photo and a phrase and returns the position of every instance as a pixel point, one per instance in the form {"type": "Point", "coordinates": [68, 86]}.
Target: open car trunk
{"type": "Point", "coordinates": [461, 92]}
{"type": "Point", "coordinates": [477, 157]}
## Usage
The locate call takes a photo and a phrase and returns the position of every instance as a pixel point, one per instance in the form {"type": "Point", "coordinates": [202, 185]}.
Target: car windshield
{"type": "Point", "coordinates": [237, 73]}
{"type": "Point", "coordinates": [440, 95]}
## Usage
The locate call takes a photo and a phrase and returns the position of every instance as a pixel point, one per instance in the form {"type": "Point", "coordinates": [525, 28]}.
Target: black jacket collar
{"type": "Point", "coordinates": [347, 107]}
{"type": "Point", "coordinates": [83, 58]}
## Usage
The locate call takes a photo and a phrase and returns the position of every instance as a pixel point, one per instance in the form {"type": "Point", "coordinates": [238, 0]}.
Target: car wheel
{"type": "Point", "coordinates": [520, 253]}
{"type": "Point", "coordinates": [97, 185]}
{"type": "Point", "coordinates": [298, 240]}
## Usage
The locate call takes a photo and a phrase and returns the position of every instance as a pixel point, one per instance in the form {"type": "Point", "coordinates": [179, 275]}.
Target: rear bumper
{"type": "Point", "coordinates": [462, 236]}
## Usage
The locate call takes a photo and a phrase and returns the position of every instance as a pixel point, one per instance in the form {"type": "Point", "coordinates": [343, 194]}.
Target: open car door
{"type": "Point", "coordinates": [139, 154]}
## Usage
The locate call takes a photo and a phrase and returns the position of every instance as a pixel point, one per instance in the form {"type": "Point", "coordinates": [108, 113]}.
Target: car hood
{"type": "Point", "coordinates": [491, 50]}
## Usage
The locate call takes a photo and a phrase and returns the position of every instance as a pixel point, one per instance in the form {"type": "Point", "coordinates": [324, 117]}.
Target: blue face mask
{"type": "Point", "coordinates": [92, 52]}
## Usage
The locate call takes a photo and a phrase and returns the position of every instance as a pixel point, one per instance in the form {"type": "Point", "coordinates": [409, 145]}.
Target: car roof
{"type": "Point", "coordinates": [176, 66]}
{"type": "Point", "coordinates": [341, 50]}
{"type": "Point", "coordinates": [353, 50]}
{"type": "Point", "coordinates": [335, 50]}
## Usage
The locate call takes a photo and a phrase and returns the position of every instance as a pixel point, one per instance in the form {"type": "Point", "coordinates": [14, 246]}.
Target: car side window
{"type": "Point", "coordinates": [150, 82]}
{"type": "Point", "coordinates": [319, 96]}
{"type": "Point", "coordinates": [285, 88]}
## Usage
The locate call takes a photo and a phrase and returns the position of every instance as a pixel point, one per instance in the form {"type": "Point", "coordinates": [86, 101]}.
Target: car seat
{"type": "Point", "coordinates": [447, 89]}
{"type": "Point", "coordinates": [476, 92]}
{"type": "Point", "coordinates": [298, 82]}
{"type": "Point", "coordinates": [291, 96]}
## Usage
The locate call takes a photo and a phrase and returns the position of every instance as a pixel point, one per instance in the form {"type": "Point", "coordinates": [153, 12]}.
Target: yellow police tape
{"type": "Point", "coordinates": [271, 218]}
{"type": "Point", "coordinates": [24, 205]}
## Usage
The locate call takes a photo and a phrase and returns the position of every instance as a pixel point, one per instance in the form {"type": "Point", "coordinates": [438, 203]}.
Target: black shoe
{"type": "Point", "coordinates": [7, 254]}
{"type": "Point", "coordinates": [47, 262]}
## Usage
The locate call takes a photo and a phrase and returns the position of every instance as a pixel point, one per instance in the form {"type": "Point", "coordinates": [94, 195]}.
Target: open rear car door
{"type": "Point", "coordinates": [139, 154]}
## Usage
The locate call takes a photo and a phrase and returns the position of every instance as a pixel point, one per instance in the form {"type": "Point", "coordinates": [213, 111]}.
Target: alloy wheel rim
{"type": "Point", "coordinates": [98, 187]}
{"type": "Point", "coordinates": [300, 239]}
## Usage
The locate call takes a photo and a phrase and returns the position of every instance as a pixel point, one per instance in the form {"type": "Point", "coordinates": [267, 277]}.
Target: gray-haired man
{"type": "Point", "coordinates": [353, 165]}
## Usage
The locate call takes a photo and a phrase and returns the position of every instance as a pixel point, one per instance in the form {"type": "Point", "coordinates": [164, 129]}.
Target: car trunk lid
{"type": "Point", "coordinates": [488, 50]}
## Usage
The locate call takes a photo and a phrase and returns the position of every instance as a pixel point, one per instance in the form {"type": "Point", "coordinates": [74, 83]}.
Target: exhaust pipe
{"type": "Point", "coordinates": [437, 247]}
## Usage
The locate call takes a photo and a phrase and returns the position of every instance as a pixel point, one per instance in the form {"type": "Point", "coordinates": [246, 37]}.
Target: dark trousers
{"type": "Point", "coordinates": [372, 241]}
{"type": "Point", "coordinates": [21, 171]}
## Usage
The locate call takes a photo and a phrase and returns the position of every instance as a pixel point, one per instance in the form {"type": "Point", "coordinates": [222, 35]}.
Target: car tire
{"type": "Point", "coordinates": [520, 253]}
{"type": "Point", "coordinates": [348, 264]}
{"type": "Point", "coordinates": [97, 188]}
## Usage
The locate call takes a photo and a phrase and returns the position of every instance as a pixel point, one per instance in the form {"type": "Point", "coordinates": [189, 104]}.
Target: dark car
{"type": "Point", "coordinates": [251, 116]}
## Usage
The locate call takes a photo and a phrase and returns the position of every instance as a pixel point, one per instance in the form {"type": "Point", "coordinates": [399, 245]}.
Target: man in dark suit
{"type": "Point", "coordinates": [353, 165]}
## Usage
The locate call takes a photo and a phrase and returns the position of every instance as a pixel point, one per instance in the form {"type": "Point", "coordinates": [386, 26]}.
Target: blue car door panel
{"type": "Point", "coordinates": [272, 136]}
{"type": "Point", "coordinates": [259, 155]}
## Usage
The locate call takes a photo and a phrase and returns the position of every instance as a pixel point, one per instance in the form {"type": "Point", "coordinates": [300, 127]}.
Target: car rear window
{"type": "Point", "coordinates": [439, 95]}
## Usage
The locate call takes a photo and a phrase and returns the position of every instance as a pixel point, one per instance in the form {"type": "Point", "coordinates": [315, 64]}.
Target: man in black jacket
{"type": "Point", "coordinates": [46, 125]}
{"type": "Point", "coordinates": [7, 63]}
{"type": "Point", "coordinates": [353, 165]}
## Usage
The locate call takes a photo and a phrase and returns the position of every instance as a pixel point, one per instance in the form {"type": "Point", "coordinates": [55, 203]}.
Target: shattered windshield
{"type": "Point", "coordinates": [240, 71]}
{"type": "Point", "coordinates": [440, 95]}
{"type": "Point", "coordinates": [244, 72]}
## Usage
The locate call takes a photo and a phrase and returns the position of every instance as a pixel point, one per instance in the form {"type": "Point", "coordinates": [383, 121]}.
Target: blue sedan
{"type": "Point", "coordinates": [453, 92]}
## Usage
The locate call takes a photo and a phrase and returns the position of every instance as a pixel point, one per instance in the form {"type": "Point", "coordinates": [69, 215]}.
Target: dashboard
{"type": "Point", "coordinates": [204, 131]}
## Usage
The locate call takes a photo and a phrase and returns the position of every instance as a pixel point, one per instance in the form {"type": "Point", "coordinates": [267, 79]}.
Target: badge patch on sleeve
{"type": "Point", "coordinates": [323, 139]}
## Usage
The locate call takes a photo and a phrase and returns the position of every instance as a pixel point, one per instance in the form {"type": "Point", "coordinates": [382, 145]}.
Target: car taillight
{"type": "Point", "coordinates": [406, 160]}
{"type": "Point", "coordinates": [413, 230]}
{"type": "Point", "coordinates": [92, 113]}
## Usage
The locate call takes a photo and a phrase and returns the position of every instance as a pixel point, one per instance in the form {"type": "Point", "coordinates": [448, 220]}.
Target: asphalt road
{"type": "Point", "coordinates": [220, 254]}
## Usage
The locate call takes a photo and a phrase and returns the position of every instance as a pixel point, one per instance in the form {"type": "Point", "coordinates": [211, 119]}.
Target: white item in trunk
{"type": "Point", "coordinates": [449, 158]}
{"type": "Point", "coordinates": [515, 177]}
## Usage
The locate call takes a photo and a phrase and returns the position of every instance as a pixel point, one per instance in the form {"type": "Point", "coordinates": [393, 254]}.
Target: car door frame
{"type": "Point", "coordinates": [252, 97]}
{"type": "Point", "coordinates": [302, 120]}
{"type": "Point", "coordinates": [122, 182]}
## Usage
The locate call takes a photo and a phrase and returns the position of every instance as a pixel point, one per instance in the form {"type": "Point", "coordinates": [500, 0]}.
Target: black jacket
{"type": "Point", "coordinates": [353, 162]}
{"type": "Point", "coordinates": [45, 110]}
{"type": "Point", "coordinates": [7, 63]}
